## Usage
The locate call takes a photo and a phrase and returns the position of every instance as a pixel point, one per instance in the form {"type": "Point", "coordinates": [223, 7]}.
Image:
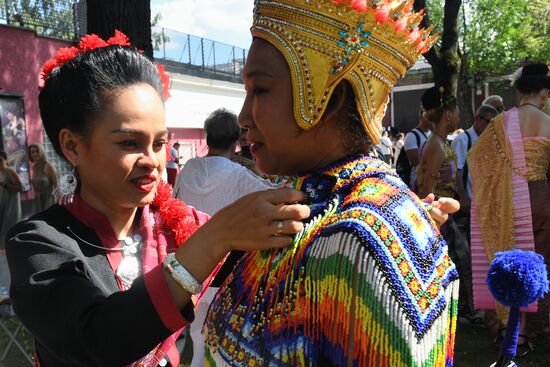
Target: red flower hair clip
{"type": "Point", "coordinates": [91, 42]}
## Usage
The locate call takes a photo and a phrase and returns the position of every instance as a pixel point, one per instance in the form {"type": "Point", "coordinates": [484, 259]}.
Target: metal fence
{"type": "Point", "coordinates": [198, 52]}
{"type": "Point", "coordinates": [66, 19]}
{"type": "Point", "coordinates": [53, 18]}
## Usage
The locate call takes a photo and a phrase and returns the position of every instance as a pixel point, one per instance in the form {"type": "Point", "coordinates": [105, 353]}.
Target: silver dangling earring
{"type": "Point", "coordinates": [64, 192]}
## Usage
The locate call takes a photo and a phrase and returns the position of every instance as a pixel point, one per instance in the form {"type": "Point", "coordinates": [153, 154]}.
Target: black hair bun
{"type": "Point", "coordinates": [434, 98]}
{"type": "Point", "coordinates": [535, 69]}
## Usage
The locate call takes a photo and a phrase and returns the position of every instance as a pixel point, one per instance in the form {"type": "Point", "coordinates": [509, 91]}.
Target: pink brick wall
{"type": "Point", "coordinates": [22, 54]}
{"type": "Point", "coordinates": [190, 135]}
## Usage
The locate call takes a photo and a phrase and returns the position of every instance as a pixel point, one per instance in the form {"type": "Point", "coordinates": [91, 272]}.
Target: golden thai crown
{"type": "Point", "coordinates": [370, 43]}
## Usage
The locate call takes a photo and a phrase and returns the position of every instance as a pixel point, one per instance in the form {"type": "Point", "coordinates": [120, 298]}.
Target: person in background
{"type": "Point", "coordinates": [212, 182]}
{"type": "Point", "coordinates": [105, 278]}
{"type": "Point", "coordinates": [510, 165]}
{"type": "Point", "coordinates": [437, 163]}
{"type": "Point", "coordinates": [243, 156]}
{"type": "Point", "coordinates": [452, 136]}
{"type": "Point", "coordinates": [10, 205]}
{"type": "Point", "coordinates": [172, 164]}
{"type": "Point", "coordinates": [397, 146]}
{"type": "Point", "coordinates": [43, 178]}
{"type": "Point", "coordinates": [496, 101]}
{"type": "Point", "coordinates": [385, 147]}
{"type": "Point", "coordinates": [437, 173]}
{"type": "Point", "coordinates": [244, 145]}
{"type": "Point", "coordinates": [414, 141]}
{"type": "Point", "coordinates": [209, 184]}
{"type": "Point", "coordinates": [463, 143]}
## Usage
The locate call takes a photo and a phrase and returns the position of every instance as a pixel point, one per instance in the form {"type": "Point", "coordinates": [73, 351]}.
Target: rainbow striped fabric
{"type": "Point", "coordinates": [368, 279]}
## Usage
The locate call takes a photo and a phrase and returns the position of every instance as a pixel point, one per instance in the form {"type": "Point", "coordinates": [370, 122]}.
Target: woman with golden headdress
{"type": "Point", "coordinates": [510, 166]}
{"type": "Point", "coordinates": [368, 281]}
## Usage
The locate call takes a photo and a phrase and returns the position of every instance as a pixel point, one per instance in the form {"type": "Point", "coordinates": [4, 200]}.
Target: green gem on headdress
{"type": "Point", "coordinates": [351, 43]}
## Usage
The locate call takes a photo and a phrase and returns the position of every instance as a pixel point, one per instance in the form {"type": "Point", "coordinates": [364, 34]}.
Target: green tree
{"type": "Point", "coordinates": [52, 18]}
{"type": "Point", "coordinates": [158, 36]}
{"type": "Point", "coordinates": [487, 38]}
{"type": "Point", "coordinates": [445, 55]}
{"type": "Point", "coordinates": [496, 36]}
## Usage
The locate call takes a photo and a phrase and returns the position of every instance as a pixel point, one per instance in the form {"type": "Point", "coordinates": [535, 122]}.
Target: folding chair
{"type": "Point", "coordinates": [7, 317]}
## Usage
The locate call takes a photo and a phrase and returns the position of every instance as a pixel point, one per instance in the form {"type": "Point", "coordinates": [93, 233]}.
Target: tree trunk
{"type": "Point", "coordinates": [464, 97]}
{"type": "Point", "coordinates": [445, 57]}
{"type": "Point", "coordinates": [132, 17]}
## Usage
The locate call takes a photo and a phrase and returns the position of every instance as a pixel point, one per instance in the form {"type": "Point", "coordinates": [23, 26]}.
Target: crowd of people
{"type": "Point", "coordinates": [43, 182]}
{"type": "Point", "coordinates": [306, 236]}
{"type": "Point", "coordinates": [510, 167]}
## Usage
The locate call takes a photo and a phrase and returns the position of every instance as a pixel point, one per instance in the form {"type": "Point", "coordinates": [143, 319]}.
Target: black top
{"type": "Point", "coordinates": [65, 292]}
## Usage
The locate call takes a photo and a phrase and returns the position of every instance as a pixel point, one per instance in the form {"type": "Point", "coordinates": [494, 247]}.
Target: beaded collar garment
{"type": "Point", "coordinates": [370, 243]}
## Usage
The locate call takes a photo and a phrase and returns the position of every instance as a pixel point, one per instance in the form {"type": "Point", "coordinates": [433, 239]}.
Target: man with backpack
{"type": "Point", "coordinates": [464, 142]}
{"type": "Point", "coordinates": [408, 157]}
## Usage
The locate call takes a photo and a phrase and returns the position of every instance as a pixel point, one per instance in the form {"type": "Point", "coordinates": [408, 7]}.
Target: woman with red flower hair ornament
{"type": "Point", "coordinates": [105, 278]}
{"type": "Point", "coordinates": [368, 281]}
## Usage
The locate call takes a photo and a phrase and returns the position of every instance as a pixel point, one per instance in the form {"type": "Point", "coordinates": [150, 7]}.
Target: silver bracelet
{"type": "Point", "coordinates": [181, 275]}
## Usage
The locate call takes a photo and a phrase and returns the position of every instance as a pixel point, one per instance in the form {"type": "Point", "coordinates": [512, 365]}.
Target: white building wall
{"type": "Point", "coordinates": [193, 99]}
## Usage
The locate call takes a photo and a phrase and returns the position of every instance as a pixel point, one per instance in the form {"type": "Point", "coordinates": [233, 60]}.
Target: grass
{"type": "Point", "coordinates": [14, 357]}
{"type": "Point", "coordinates": [473, 349]}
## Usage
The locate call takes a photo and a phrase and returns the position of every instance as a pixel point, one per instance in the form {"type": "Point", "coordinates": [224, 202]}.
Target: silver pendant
{"type": "Point", "coordinates": [129, 268]}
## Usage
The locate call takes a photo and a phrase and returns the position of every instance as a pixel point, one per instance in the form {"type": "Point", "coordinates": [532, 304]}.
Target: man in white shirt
{"type": "Point", "coordinates": [385, 147]}
{"type": "Point", "coordinates": [496, 101]}
{"type": "Point", "coordinates": [208, 184]}
{"type": "Point", "coordinates": [414, 141]}
{"type": "Point", "coordinates": [464, 142]}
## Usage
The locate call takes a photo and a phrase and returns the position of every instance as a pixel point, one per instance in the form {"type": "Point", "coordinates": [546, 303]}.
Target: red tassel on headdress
{"type": "Point", "coordinates": [359, 5]}
{"type": "Point", "coordinates": [383, 14]}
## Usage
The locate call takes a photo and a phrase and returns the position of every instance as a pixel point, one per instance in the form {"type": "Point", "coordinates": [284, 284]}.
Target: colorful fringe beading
{"type": "Point", "coordinates": [368, 279]}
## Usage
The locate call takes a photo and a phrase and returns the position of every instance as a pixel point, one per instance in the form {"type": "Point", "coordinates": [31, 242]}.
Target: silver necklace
{"type": "Point", "coordinates": [129, 268]}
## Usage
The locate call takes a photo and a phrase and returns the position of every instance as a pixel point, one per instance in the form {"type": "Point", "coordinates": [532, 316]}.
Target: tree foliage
{"type": "Point", "coordinates": [53, 18]}
{"type": "Point", "coordinates": [158, 36]}
{"type": "Point", "coordinates": [445, 56]}
{"type": "Point", "coordinates": [497, 36]}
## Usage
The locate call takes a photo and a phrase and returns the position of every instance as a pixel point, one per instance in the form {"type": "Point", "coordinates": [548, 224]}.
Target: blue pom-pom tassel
{"type": "Point", "coordinates": [517, 278]}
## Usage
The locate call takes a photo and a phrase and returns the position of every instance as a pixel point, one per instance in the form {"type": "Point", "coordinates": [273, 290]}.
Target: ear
{"type": "Point", "coordinates": [544, 93]}
{"type": "Point", "coordinates": [448, 115]}
{"type": "Point", "coordinates": [70, 143]}
{"type": "Point", "coordinates": [338, 102]}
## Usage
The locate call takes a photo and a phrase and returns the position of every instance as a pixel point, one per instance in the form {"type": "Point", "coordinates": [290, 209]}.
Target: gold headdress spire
{"type": "Point", "coordinates": [370, 43]}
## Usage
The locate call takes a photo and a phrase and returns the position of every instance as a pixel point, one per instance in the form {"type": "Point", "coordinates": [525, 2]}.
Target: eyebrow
{"type": "Point", "coordinates": [136, 132]}
{"type": "Point", "coordinates": [256, 73]}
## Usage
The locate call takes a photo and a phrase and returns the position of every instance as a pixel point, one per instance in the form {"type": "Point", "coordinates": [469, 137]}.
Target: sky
{"type": "Point", "coordinates": [226, 21]}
